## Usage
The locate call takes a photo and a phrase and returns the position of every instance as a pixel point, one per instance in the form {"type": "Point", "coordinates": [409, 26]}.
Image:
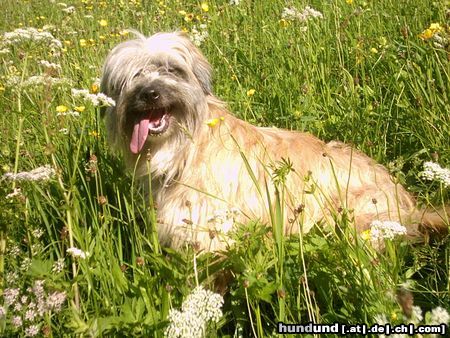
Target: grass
{"type": "Point", "coordinates": [361, 74]}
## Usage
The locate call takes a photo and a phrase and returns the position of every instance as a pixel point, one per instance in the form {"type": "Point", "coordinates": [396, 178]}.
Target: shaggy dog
{"type": "Point", "coordinates": [210, 171]}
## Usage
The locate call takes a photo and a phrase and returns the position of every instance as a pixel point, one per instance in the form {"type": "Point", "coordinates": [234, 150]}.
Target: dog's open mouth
{"type": "Point", "coordinates": [153, 122]}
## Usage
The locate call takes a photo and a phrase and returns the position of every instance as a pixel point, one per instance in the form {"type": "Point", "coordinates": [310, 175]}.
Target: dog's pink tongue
{"type": "Point", "coordinates": [139, 136]}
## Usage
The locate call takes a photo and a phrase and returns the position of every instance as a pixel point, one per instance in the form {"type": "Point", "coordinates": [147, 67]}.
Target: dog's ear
{"type": "Point", "coordinates": [200, 66]}
{"type": "Point", "coordinates": [202, 70]}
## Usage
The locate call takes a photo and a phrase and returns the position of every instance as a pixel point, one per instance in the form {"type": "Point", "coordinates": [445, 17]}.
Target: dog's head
{"type": "Point", "coordinates": [160, 84]}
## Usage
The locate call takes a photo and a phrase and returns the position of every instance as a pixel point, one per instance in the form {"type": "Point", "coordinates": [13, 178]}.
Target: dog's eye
{"type": "Point", "coordinates": [137, 74]}
{"type": "Point", "coordinates": [177, 71]}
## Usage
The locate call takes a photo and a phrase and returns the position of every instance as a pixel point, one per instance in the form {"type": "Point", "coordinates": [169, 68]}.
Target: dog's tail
{"type": "Point", "coordinates": [433, 221]}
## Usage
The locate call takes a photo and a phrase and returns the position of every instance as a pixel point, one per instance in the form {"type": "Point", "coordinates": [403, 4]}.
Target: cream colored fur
{"type": "Point", "coordinates": [201, 177]}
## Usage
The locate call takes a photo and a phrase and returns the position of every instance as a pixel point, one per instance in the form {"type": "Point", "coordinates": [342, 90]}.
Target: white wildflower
{"type": "Point", "coordinates": [234, 2]}
{"type": "Point", "coordinates": [12, 277]}
{"type": "Point", "coordinates": [38, 289]}
{"type": "Point", "coordinates": [439, 316]}
{"type": "Point", "coordinates": [292, 13]}
{"type": "Point", "coordinates": [14, 250]}
{"type": "Point", "coordinates": [199, 35]}
{"type": "Point", "coordinates": [69, 113]}
{"type": "Point", "coordinates": [55, 300]}
{"type": "Point", "coordinates": [58, 266]}
{"type": "Point", "coordinates": [200, 307]}
{"type": "Point", "coordinates": [69, 10]}
{"type": "Point", "coordinates": [99, 99]}
{"type": "Point", "coordinates": [31, 331]}
{"type": "Point", "coordinates": [16, 321]}
{"type": "Point", "coordinates": [4, 51]}
{"type": "Point", "coordinates": [386, 230]}
{"type": "Point", "coordinates": [25, 264]}
{"type": "Point", "coordinates": [2, 312]}
{"type": "Point", "coordinates": [18, 307]}
{"type": "Point", "coordinates": [50, 65]}
{"type": "Point", "coordinates": [31, 34]}
{"type": "Point", "coordinates": [64, 131]}
{"type": "Point", "coordinates": [43, 173]}
{"type": "Point", "coordinates": [77, 253]}
{"type": "Point", "coordinates": [37, 233]}
{"type": "Point", "coordinates": [416, 315]}
{"type": "Point", "coordinates": [37, 80]}
{"type": "Point", "coordinates": [17, 192]}
{"type": "Point", "coordinates": [30, 314]}
{"type": "Point", "coordinates": [380, 319]}
{"type": "Point", "coordinates": [10, 295]}
{"type": "Point", "coordinates": [434, 172]}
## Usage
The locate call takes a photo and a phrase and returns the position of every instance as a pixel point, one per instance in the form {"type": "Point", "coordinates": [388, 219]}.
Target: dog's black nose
{"type": "Point", "coordinates": [149, 95]}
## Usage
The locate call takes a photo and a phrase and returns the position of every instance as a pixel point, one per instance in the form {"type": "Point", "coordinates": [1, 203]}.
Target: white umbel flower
{"type": "Point", "coordinates": [386, 230]}
{"type": "Point", "coordinates": [99, 99]}
{"type": "Point", "coordinates": [434, 172]}
{"type": "Point", "coordinates": [77, 253]}
{"type": "Point", "coordinates": [200, 307]}
{"type": "Point", "coordinates": [43, 173]}
{"type": "Point", "coordinates": [439, 316]}
{"type": "Point", "coordinates": [292, 13]}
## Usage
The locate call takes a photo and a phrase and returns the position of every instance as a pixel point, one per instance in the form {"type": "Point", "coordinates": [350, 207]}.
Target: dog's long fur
{"type": "Point", "coordinates": [203, 175]}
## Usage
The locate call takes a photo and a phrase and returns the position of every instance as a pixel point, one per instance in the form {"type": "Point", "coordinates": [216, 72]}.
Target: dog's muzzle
{"type": "Point", "coordinates": [153, 121]}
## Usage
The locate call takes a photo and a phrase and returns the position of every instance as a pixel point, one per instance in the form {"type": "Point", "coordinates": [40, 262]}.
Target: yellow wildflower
{"type": "Point", "coordinates": [426, 34]}
{"type": "Point", "coordinates": [79, 109]}
{"type": "Point", "coordinates": [349, 1]}
{"type": "Point", "coordinates": [436, 27]}
{"type": "Point", "coordinates": [365, 235]}
{"type": "Point", "coordinates": [94, 88]}
{"type": "Point", "coordinates": [189, 17]}
{"type": "Point", "coordinates": [430, 31]}
{"type": "Point", "coordinates": [103, 23]}
{"type": "Point", "coordinates": [61, 109]}
{"type": "Point", "coordinates": [373, 50]}
{"type": "Point", "coordinates": [251, 92]}
{"type": "Point", "coordinates": [181, 12]}
{"type": "Point", "coordinates": [94, 133]}
{"type": "Point", "coordinates": [213, 122]}
{"type": "Point", "coordinates": [83, 42]}
{"type": "Point", "coordinates": [284, 23]}
{"type": "Point", "coordinates": [205, 7]}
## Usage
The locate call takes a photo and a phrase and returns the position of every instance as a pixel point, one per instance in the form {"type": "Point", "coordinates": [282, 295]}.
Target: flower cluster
{"type": "Point", "coordinates": [434, 172]}
{"type": "Point", "coordinates": [438, 34]}
{"type": "Point", "coordinates": [50, 65]}
{"type": "Point", "coordinates": [439, 316]}
{"type": "Point", "coordinates": [199, 35]}
{"type": "Point", "coordinates": [26, 309]}
{"type": "Point", "coordinates": [31, 34]}
{"type": "Point", "coordinates": [381, 230]}
{"type": "Point", "coordinates": [77, 253]}
{"type": "Point", "coordinates": [292, 13]}
{"type": "Point", "coordinates": [37, 80]}
{"type": "Point", "coordinates": [200, 307]}
{"type": "Point", "coordinates": [99, 99]}
{"type": "Point", "coordinates": [43, 173]}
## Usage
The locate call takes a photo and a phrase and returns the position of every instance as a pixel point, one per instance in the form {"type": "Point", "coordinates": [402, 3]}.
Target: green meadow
{"type": "Point", "coordinates": [79, 254]}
